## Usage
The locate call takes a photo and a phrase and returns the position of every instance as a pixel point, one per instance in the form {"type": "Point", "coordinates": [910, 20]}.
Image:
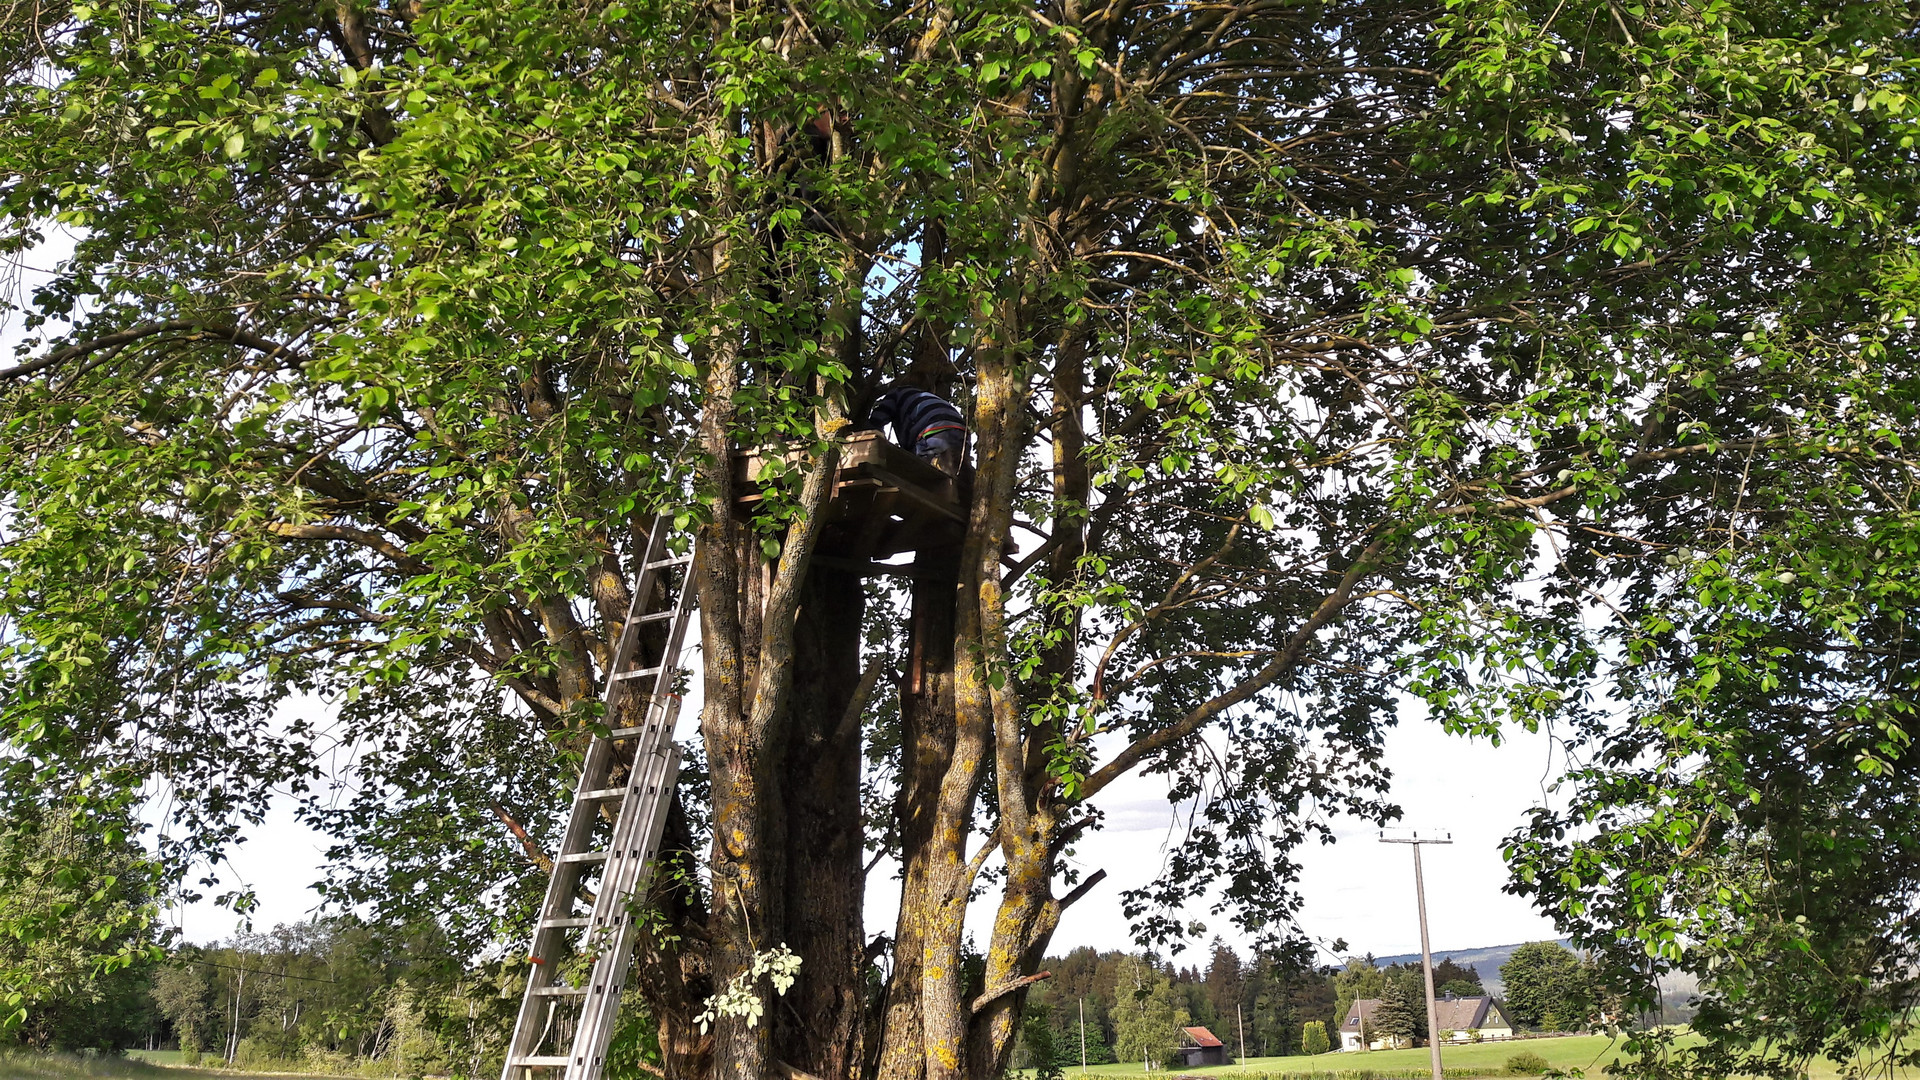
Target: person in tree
{"type": "Point", "coordinates": [925, 423]}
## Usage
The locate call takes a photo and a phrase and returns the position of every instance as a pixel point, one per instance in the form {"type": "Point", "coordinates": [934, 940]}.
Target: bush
{"type": "Point", "coordinates": [1313, 1037]}
{"type": "Point", "coordinates": [268, 1050]}
{"type": "Point", "coordinates": [1526, 1063]}
{"type": "Point", "coordinates": [636, 1041]}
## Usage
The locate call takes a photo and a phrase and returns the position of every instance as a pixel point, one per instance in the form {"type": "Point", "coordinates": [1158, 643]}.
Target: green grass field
{"type": "Point", "coordinates": [137, 1065]}
{"type": "Point", "coordinates": [1589, 1054]}
{"type": "Point", "coordinates": [25, 1066]}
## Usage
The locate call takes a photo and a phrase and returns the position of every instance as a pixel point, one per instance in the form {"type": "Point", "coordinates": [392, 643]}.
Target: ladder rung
{"type": "Point", "coordinates": [560, 991]}
{"type": "Point", "coordinates": [636, 673]}
{"type": "Point", "coordinates": [584, 856]}
{"type": "Point", "coordinates": [564, 924]}
{"type": "Point", "coordinates": [539, 1060]}
{"type": "Point", "coordinates": [658, 616]}
{"type": "Point", "coordinates": [631, 732]}
{"type": "Point", "coordinates": [605, 794]}
{"type": "Point", "coordinates": [677, 560]}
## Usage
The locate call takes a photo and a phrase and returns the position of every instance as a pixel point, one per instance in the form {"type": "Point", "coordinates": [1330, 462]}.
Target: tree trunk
{"type": "Point", "coordinates": [987, 702]}
{"type": "Point", "coordinates": [749, 846]}
{"type": "Point", "coordinates": [926, 736]}
{"type": "Point", "coordinates": [673, 978]}
{"type": "Point", "coordinates": [819, 1024]}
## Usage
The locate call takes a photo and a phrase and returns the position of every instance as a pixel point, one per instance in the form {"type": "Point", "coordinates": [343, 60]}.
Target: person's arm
{"type": "Point", "coordinates": [884, 414]}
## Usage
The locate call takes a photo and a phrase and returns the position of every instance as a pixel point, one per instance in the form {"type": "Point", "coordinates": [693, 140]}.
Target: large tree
{"type": "Point", "coordinates": [1310, 350]}
{"type": "Point", "coordinates": [1393, 1017]}
{"type": "Point", "coordinates": [77, 905]}
{"type": "Point", "coordinates": [1548, 988]}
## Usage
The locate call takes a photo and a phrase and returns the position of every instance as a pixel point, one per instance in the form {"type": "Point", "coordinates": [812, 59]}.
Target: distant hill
{"type": "Point", "coordinates": [1485, 959]}
{"type": "Point", "coordinates": [1679, 988]}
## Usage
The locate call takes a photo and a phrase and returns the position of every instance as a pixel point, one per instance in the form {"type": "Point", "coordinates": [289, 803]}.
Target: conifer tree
{"type": "Point", "coordinates": [1393, 1018]}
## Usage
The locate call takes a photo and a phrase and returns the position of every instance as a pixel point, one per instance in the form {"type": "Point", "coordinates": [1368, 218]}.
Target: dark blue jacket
{"type": "Point", "coordinates": [913, 413]}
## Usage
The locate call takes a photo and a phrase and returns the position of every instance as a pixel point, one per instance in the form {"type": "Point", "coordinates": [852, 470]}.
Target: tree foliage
{"type": "Point", "coordinates": [1512, 353]}
{"type": "Point", "coordinates": [1313, 1037]}
{"type": "Point", "coordinates": [1393, 1018]}
{"type": "Point", "coordinates": [77, 933]}
{"type": "Point", "coordinates": [1548, 988]}
{"type": "Point", "coordinates": [330, 993]}
{"type": "Point", "coordinates": [1456, 979]}
{"type": "Point", "coordinates": [1148, 1016]}
{"type": "Point", "coordinates": [1357, 980]}
{"type": "Point", "coordinates": [1267, 991]}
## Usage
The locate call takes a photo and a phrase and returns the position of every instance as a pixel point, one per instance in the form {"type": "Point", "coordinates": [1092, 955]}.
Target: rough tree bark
{"type": "Point", "coordinates": [927, 739]}
{"type": "Point", "coordinates": [819, 1025]}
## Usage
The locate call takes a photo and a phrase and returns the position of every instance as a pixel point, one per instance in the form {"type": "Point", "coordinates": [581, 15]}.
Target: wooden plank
{"type": "Point", "coordinates": [919, 495]}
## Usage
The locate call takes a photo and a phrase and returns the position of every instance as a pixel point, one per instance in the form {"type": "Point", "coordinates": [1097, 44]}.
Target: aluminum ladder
{"type": "Point", "coordinates": [563, 1028]}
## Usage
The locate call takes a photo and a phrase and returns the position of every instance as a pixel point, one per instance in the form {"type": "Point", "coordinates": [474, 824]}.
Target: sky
{"type": "Point", "coordinates": [1357, 889]}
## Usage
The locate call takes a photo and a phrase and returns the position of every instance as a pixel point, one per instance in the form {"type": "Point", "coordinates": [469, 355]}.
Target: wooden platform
{"type": "Point", "coordinates": [885, 500]}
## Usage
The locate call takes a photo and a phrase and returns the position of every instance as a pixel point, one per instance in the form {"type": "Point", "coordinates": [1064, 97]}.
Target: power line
{"type": "Point", "coordinates": [256, 971]}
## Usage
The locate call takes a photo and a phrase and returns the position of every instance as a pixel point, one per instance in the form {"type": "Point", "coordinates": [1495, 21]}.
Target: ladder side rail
{"type": "Point", "coordinates": [597, 1002]}
{"type": "Point", "coordinates": [636, 603]}
{"type": "Point", "coordinates": [643, 810]}
{"type": "Point", "coordinates": [664, 770]}
{"type": "Point", "coordinates": [659, 714]}
{"type": "Point", "coordinates": [642, 794]}
{"type": "Point", "coordinates": [600, 751]}
{"type": "Point", "coordinates": [616, 878]}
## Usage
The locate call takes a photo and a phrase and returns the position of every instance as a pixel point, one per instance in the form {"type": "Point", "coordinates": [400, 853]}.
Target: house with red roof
{"type": "Point", "coordinates": [1198, 1046]}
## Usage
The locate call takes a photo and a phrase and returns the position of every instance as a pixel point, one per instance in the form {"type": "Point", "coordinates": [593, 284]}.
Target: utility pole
{"type": "Point", "coordinates": [1240, 1014]}
{"type": "Point", "coordinates": [1415, 839]}
{"type": "Point", "coordinates": [1083, 1036]}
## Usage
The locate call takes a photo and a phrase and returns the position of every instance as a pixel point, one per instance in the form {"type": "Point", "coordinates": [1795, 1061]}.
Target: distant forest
{"type": "Point", "coordinates": [1134, 1003]}
{"type": "Point", "coordinates": [333, 993]}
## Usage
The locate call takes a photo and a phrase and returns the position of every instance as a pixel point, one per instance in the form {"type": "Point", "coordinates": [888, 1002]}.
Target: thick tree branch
{"type": "Point", "coordinates": [146, 330]}
{"type": "Point", "coordinates": [540, 858]}
{"type": "Point", "coordinates": [493, 666]}
{"type": "Point", "coordinates": [783, 598]}
{"type": "Point", "coordinates": [862, 693]}
{"type": "Point", "coordinates": [998, 992]}
{"type": "Point", "coordinates": [361, 537]}
{"type": "Point", "coordinates": [1082, 889]}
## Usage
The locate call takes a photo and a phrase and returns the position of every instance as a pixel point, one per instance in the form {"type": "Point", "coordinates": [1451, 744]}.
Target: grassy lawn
{"type": "Point", "coordinates": [1588, 1053]}
{"type": "Point", "coordinates": [137, 1065]}
{"type": "Point", "coordinates": [20, 1065]}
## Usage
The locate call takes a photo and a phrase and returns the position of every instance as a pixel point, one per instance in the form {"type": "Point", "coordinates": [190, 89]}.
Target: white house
{"type": "Point", "coordinates": [1463, 1017]}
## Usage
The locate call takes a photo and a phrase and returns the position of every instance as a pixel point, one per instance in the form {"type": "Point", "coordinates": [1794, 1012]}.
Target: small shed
{"type": "Point", "coordinates": [1198, 1046]}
